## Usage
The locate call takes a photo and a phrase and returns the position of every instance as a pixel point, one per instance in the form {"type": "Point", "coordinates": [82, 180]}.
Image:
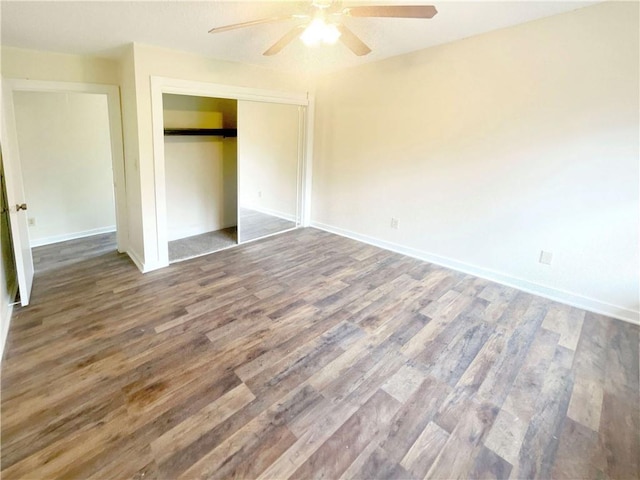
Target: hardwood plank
{"type": "Point", "coordinates": [521, 400]}
{"type": "Point", "coordinates": [373, 462]}
{"type": "Point", "coordinates": [506, 436]}
{"type": "Point", "coordinates": [579, 455]}
{"type": "Point", "coordinates": [456, 458]}
{"type": "Point", "coordinates": [193, 427]}
{"type": "Point", "coordinates": [585, 405]}
{"type": "Point", "coordinates": [404, 383]}
{"type": "Point", "coordinates": [425, 450]}
{"type": "Point", "coordinates": [488, 465]}
{"type": "Point", "coordinates": [57, 459]}
{"type": "Point", "coordinates": [341, 449]}
{"type": "Point", "coordinates": [499, 380]}
{"type": "Point", "coordinates": [248, 430]}
{"type": "Point", "coordinates": [310, 439]}
{"type": "Point", "coordinates": [619, 427]}
{"type": "Point", "coordinates": [566, 321]}
{"type": "Point", "coordinates": [413, 417]}
{"type": "Point", "coordinates": [540, 443]}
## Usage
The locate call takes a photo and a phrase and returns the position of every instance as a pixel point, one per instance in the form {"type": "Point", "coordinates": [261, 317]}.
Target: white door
{"type": "Point", "coordinates": [16, 200]}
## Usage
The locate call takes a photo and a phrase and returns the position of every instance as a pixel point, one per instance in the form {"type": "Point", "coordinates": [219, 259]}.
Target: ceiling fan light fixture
{"type": "Point", "coordinates": [318, 32]}
{"type": "Point", "coordinates": [331, 34]}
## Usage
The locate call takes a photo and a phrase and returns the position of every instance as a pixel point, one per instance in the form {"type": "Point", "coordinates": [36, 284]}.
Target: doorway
{"type": "Point", "coordinates": [65, 155]}
{"type": "Point", "coordinates": [64, 168]}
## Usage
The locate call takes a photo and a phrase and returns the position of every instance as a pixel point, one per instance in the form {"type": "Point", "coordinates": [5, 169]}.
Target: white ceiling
{"type": "Point", "coordinates": [103, 27]}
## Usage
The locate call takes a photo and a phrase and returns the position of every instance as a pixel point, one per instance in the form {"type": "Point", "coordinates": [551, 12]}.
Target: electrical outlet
{"type": "Point", "coordinates": [394, 223]}
{"type": "Point", "coordinates": [32, 222]}
{"type": "Point", "coordinates": [260, 194]}
{"type": "Point", "coordinates": [545, 257]}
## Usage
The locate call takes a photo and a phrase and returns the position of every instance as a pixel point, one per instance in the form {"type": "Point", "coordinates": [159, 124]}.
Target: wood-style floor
{"type": "Point", "coordinates": [64, 254]}
{"type": "Point", "coordinates": [307, 355]}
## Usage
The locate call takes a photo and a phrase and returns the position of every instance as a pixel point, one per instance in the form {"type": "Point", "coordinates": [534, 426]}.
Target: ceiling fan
{"type": "Point", "coordinates": [322, 22]}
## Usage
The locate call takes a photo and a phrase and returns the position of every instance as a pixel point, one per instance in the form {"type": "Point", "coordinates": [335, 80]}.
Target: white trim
{"type": "Point", "coordinates": [217, 90]}
{"type": "Point", "coordinates": [144, 267]}
{"type": "Point", "coordinates": [307, 166]}
{"type": "Point", "coordinates": [300, 141]}
{"type": "Point", "coordinates": [39, 242]}
{"type": "Point", "coordinates": [4, 334]}
{"type": "Point", "coordinates": [557, 295]}
{"type": "Point", "coordinates": [135, 258]}
{"type": "Point", "coordinates": [161, 85]}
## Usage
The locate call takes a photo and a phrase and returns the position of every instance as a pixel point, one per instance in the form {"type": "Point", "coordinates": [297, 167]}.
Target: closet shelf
{"type": "Point", "coordinates": [217, 132]}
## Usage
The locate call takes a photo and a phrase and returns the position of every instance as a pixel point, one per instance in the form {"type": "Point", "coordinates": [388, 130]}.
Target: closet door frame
{"type": "Point", "coordinates": [162, 85]}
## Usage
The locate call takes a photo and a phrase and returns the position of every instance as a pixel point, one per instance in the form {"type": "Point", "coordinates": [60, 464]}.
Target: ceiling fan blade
{"type": "Point", "coordinates": [352, 41]}
{"type": "Point", "coordinates": [285, 40]}
{"type": "Point", "coordinates": [398, 11]}
{"type": "Point", "coordinates": [235, 26]}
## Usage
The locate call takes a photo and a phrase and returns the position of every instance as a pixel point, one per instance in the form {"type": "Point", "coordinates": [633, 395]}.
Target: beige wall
{"type": "Point", "coordinates": [65, 157]}
{"type": "Point", "coordinates": [59, 67]}
{"type": "Point", "coordinates": [200, 177]}
{"type": "Point", "coordinates": [188, 111]}
{"type": "Point", "coordinates": [491, 149]}
{"type": "Point", "coordinates": [268, 157]}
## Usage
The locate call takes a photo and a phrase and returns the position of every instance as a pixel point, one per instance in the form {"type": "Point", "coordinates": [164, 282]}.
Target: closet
{"type": "Point", "coordinates": [232, 171]}
{"type": "Point", "coordinates": [200, 150]}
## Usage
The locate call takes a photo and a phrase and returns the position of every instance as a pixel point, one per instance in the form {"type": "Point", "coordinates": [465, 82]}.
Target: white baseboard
{"type": "Point", "coordinates": [142, 266]}
{"type": "Point", "coordinates": [135, 258]}
{"type": "Point", "coordinates": [6, 316]}
{"type": "Point", "coordinates": [70, 236]}
{"type": "Point", "coordinates": [557, 295]}
{"type": "Point", "coordinates": [274, 213]}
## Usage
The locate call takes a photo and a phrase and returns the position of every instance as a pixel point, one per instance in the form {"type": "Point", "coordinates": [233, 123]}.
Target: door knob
{"type": "Point", "coordinates": [22, 206]}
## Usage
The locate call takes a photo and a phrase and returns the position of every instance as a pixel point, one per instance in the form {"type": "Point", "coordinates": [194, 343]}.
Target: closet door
{"type": "Point", "coordinates": [269, 161]}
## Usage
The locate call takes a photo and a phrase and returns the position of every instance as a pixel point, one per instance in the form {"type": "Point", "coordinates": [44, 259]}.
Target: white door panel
{"type": "Point", "coordinates": [16, 198]}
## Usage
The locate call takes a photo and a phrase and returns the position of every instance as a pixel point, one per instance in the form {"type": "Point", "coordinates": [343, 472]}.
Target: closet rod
{"type": "Point", "coordinates": [218, 132]}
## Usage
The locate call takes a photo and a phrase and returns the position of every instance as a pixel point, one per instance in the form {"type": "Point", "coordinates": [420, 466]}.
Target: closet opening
{"type": "Point", "coordinates": [201, 174]}
{"type": "Point", "coordinates": [232, 171]}
{"type": "Point", "coordinates": [231, 166]}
